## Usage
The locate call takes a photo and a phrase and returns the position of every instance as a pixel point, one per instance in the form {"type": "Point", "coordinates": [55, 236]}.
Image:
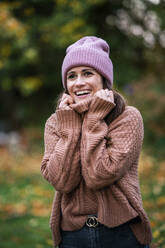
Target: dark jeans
{"type": "Point", "coordinates": [100, 237]}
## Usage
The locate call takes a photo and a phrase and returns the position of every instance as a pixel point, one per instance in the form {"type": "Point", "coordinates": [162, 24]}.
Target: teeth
{"type": "Point", "coordinates": [82, 92]}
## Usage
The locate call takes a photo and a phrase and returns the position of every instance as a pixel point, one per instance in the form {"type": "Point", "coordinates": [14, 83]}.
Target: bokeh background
{"type": "Point", "coordinates": [33, 37]}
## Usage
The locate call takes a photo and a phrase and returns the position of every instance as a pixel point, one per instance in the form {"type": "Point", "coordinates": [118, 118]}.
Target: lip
{"type": "Point", "coordinates": [83, 96]}
{"type": "Point", "coordinates": [81, 90]}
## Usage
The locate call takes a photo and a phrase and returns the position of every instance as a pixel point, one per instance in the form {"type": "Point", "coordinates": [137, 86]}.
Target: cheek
{"type": "Point", "coordinates": [69, 88]}
{"type": "Point", "coordinates": [99, 84]}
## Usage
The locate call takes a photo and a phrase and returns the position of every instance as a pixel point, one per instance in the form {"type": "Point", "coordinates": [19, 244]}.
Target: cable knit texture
{"type": "Point", "coordinates": [93, 168]}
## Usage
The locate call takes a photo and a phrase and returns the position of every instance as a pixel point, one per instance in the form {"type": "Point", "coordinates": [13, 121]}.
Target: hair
{"type": "Point", "coordinates": [118, 100]}
{"type": "Point", "coordinates": [118, 109]}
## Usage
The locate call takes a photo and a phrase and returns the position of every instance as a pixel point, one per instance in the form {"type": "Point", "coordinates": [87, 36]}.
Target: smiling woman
{"type": "Point", "coordinates": [92, 146]}
{"type": "Point", "coordinates": [83, 82]}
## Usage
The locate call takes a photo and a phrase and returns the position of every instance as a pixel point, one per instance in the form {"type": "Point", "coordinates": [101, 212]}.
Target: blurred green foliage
{"type": "Point", "coordinates": [25, 203]}
{"type": "Point", "coordinates": [34, 35]}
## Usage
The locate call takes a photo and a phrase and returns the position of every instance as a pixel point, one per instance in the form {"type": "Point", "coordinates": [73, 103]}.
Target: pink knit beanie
{"type": "Point", "coordinates": [89, 51]}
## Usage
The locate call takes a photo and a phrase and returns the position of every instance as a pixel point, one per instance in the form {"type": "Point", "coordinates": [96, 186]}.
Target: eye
{"type": "Point", "coordinates": [88, 73]}
{"type": "Point", "coordinates": [71, 76]}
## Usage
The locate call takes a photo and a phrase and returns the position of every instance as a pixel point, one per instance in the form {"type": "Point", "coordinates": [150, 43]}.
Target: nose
{"type": "Point", "coordinates": [80, 81]}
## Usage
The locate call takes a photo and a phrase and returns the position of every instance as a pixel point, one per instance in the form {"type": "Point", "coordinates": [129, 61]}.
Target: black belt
{"type": "Point", "coordinates": [92, 221]}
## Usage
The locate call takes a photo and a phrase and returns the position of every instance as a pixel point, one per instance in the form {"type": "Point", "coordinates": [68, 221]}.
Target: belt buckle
{"type": "Point", "coordinates": [92, 221]}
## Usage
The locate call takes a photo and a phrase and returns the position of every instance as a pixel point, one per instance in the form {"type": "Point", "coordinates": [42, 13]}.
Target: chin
{"type": "Point", "coordinates": [82, 99]}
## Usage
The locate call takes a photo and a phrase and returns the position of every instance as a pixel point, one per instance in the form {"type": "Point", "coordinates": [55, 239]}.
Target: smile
{"type": "Point", "coordinates": [82, 92]}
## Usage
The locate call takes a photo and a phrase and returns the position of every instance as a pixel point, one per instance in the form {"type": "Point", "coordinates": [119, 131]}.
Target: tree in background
{"type": "Point", "coordinates": [33, 38]}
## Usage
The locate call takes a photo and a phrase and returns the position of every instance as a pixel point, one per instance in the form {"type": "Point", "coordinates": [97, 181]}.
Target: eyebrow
{"type": "Point", "coordinates": [87, 69]}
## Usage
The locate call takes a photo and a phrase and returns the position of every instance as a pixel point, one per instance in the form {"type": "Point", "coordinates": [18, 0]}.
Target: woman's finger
{"type": "Point", "coordinates": [69, 98]}
{"type": "Point", "coordinates": [66, 100]}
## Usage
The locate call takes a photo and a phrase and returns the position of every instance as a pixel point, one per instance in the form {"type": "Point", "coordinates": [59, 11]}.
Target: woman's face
{"type": "Point", "coordinates": [83, 82]}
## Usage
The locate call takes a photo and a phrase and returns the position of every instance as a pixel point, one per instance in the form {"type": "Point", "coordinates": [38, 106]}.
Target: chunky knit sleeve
{"type": "Point", "coordinates": [61, 161]}
{"type": "Point", "coordinates": [109, 152]}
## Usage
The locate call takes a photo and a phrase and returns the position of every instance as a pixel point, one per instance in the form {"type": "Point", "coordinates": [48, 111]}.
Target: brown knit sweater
{"type": "Point", "coordinates": [93, 167]}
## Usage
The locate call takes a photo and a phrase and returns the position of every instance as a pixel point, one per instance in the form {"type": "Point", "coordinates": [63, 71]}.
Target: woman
{"type": "Point", "coordinates": [92, 147]}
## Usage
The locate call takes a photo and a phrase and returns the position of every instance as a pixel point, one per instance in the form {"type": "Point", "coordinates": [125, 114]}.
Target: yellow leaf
{"type": "Point", "coordinates": [50, 242]}
{"type": "Point", "coordinates": [156, 234]}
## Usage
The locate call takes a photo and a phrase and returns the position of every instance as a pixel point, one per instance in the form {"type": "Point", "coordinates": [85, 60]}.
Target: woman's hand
{"type": "Point", "coordinates": [101, 105]}
{"type": "Point", "coordinates": [66, 100]}
{"type": "Point", "coordinates": [105, 94]}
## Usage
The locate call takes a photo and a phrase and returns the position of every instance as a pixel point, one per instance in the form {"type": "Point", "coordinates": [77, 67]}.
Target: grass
{"type": "Point", "coordinates": [25, 203]}
{"type": "Point", "coordinates": [26, 199]}
{"type": "Point", "coordinates": [152, 178]}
